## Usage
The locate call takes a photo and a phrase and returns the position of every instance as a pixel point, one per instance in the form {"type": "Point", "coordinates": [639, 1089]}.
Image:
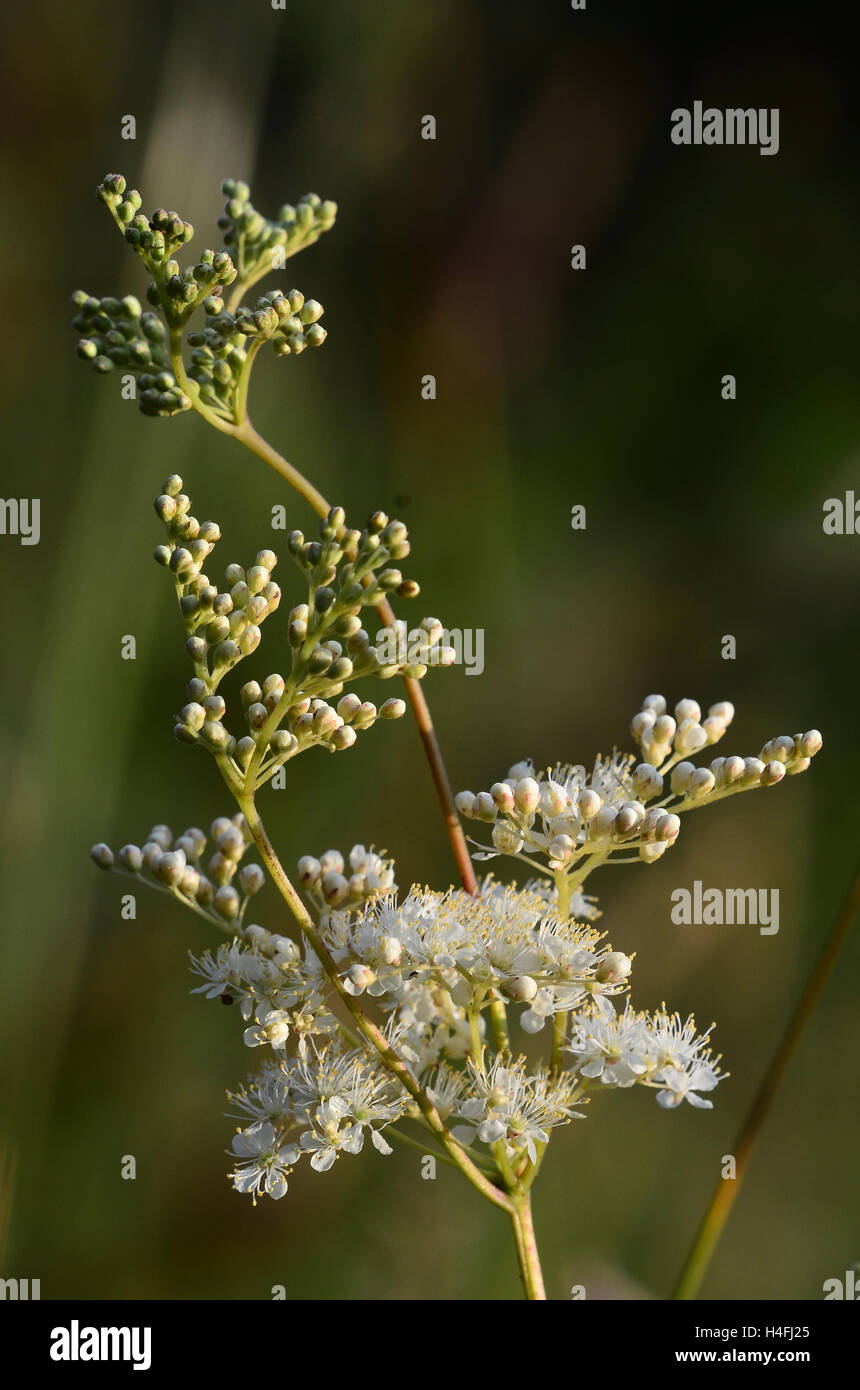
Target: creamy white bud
{"type": "Point", "coordinates": [772, 773]}
{"type": "Point", "coordinates": [681, 775]}
{"type": "Point", "coordinates": [390, 950]}
{"type": "Point", "coordinates": [527, 795]}
{"type": "Point", "coordinates": [688, 709]}
{"type": "Point", "coordinates": [647, 781]}
{"type": "Point", "coordinates": [702, 782]}
{"type": "Point", "coordinates": [503, 796]}
{"type": "Point", "coordinates": [642, 724]}
{"type": "Point", "coordinates": [588, 804]}
{"type": "Point", "coordinates": [335, 888]}
{"type": "Point", "coordinates": [309, 870]}
{"type": "Point", "coordinates": [520, 988]}
{"type": "Point", "coordinates": [655, 703]}
{"type": "Point", "coordinates": [731, 770]}
{"type": "Point", "coordinates": [780, 749]}
{"type": "Point", "coordinates": [667, 829]}
{"type": "Point", "coordinates": [614, 967]}
{"type": "Point", "coordinates": [601, 826]}
{"type": "Point", "coordinates": [361, 975]}
{"type": "Point", "coordinates": [664, 729]}
{"type": "Point", "coordinates": [561, 848]}
{"type": "Point", "coordinates": [628, 819]}
{"type": "Point", "coordinates": [724, 710]}
{"type": "Point", "coordinates": [690, 737]}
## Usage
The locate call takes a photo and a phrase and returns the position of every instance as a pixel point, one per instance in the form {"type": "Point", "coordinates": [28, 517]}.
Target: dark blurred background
{"type": "Point", "coordinates": [555, 387]}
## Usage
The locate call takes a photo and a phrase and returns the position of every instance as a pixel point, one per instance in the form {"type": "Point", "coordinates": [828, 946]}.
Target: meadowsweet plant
{"type": "Point", "coordinates": [469, 1021]}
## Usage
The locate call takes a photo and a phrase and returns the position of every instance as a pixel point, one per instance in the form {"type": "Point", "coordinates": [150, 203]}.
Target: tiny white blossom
{"type": "Point", "coordinates": [269, 1163]}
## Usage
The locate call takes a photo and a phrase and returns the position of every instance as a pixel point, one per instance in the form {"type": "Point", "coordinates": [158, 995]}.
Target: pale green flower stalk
{"type": "Point", "coordinates": [385, 1014]}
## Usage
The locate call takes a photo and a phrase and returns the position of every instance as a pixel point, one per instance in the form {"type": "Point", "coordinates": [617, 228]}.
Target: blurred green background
{"type": "Point", "coordinates": [555, 387]}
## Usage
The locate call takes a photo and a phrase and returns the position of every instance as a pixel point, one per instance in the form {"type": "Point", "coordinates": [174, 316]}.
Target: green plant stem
{"type": "Point", "coordinates": [369, 1030]}
{"type": "Point", "coordinates": [726, 1190]}
{"type": "Point", "coordinates": [499, 1024]}
{"type": "Point", "coordinates": [559, 1023]}
{"type": "Point", "coordinates": [527, 1251]}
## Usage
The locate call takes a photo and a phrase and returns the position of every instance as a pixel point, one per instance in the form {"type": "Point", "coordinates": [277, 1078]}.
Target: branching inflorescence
{"type": "Point", "coordinates": [385, 1014]}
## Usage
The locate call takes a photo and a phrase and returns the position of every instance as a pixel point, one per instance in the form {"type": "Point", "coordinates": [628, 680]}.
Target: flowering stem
{"type": "Point", "coordinates": [726, 1190]}
{"type": "Point", "coordinates": [246, 434]}
{"type": "Point", "coordinates": [527, 1251]}
{"type": "Point", "coordinates": [559, 1025]}
{"type": "Point", "coordinates": [499, 1023]}
{"type": "Point", "coordinates": [369, 1030]}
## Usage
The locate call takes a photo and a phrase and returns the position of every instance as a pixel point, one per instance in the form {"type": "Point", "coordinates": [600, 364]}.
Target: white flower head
{"type": "Point", "coordinates": [268, 1162]}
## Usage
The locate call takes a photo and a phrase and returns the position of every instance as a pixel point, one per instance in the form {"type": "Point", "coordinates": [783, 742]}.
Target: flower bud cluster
{"type": "Point", "coordinates": [117, 333]}
{"type": "Point", "coordinates": [564, 814]}
{"type": "Point", "coordinates": [175, 864]}
{"type": "Point", "coordinates": [256, 241]}
{"type": "Point", "coordinates": [663, 739]}
{"type": "Point", "coordinates": [223, 626]}
{"type": "Point", "coordinates": [222, 351]}
{"type": "Point", "coordinates": [330, 882]}
{"type": "Point", "coordinates": [345, 571]}
{"type": "Point", "coordinates": [157, 240]}
{"type": "Point", "coordinates": [565, 821]}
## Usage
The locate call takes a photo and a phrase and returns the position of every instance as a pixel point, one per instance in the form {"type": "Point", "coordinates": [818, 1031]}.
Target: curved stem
{"type": "Point", "coordinates": [726, 1190]}
{"type": "Point", "coordinates": [246, 434]}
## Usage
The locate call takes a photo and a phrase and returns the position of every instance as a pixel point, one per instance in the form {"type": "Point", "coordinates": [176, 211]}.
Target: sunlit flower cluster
{"type": "Point", "coordinates": [442, 970]}
{"type": "Point", "coordinates": [566, 821]}
{"type": "Point", "coordinates": [657, 1050]}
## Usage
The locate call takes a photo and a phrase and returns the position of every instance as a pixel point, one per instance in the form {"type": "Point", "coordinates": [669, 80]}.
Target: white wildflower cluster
{"type": "Point", "coordinates": [454, 946]}
{"type": "Point", "coordinates": [318, 1104]}
{"type": "Point", "coordinates": [566, 821]}
{"type": "Point", "coordinates": [655, 1050]}
{"type": "Point", "coordinates": [507, 1103]}
{"type": "Point", "coordinates": [440, 969]}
